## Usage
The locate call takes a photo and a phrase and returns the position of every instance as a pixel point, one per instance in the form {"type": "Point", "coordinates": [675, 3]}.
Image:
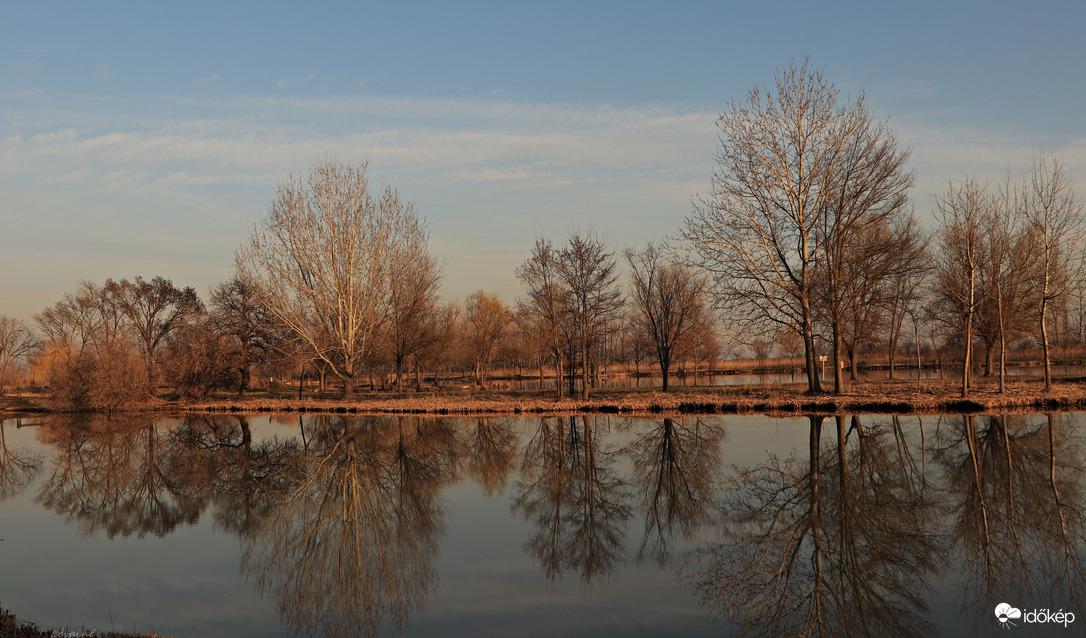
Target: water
{"type": "Point", "coordinates": [585, 526]}
{"type": "Point", "coordinates": [902, 371]}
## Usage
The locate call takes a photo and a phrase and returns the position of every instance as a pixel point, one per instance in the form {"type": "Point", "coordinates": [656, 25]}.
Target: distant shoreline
{"type": "Point", "coordinates": [885, 397]}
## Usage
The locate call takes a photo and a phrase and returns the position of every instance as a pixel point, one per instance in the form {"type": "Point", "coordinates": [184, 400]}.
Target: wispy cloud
{"type": "Point", "coordinates": [163, 178]}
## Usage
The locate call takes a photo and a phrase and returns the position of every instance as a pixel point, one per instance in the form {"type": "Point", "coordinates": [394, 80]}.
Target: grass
{"type": "Point", "coordinates": [933, 396]}
{"type": "Point", "coordinates": [12, 627]}
{"type": "Point", "coordinates": [882, 396]}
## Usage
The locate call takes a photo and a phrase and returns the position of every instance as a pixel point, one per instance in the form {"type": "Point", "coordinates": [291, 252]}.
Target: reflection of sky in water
{"type": "Point", "coordinates": [189, 581]}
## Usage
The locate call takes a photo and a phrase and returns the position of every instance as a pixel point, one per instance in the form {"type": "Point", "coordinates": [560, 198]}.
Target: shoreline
{"type": "Point", "coordinates": [883, 397]}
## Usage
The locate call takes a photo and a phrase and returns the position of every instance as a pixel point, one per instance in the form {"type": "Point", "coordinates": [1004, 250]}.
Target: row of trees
{"type": "Point", "coordinates": [113, 345]}
{"type": "Point", "coordinates": [807, 231]}
{"type": "Point", "coordinates": [806, 241]}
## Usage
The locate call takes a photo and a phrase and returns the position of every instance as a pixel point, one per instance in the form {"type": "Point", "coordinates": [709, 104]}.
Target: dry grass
{"type": "Point", "coordinates": [934, 396]}
{"type": "Point", "coordinates": [12, 627]}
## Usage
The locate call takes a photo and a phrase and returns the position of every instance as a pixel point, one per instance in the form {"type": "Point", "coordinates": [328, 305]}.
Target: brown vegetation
{"type": "Point", "coordinates": [12, 627]}
{"type": "Point", "coordinates": [872, 397]}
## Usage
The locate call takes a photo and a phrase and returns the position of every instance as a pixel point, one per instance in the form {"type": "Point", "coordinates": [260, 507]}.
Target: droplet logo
{"type": "Point", "coordinates": [1005, 613]}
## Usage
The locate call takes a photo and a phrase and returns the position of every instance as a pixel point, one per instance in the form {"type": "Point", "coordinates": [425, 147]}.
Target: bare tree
{"type": "Point", "coordinates": [324, 258]}
{"type": "Point", "coordinates": [414, 319]}
{"type": "Point", "coordinates": [868, 283]}
{"type": "Point", "coordinates": [589, 273]}
{"type": "Point", "coordinates": [786, 161]}
{"type": "Point", "coordinates": [237, 315]}
{"type": "Point", "coordinates": [91, 363]}
{"type": "Point", "coordinates": [547, 301]}
{"type": "Point", "coordinates": [868, 186]}
{"type": "Point", "coordinates": [1003, 268]}
{"type": "Point", "coordinates": [17, 341]}
{"type": "Point", "coordinates": [436, 352]}
{"type": "Point", "coordinates": [1053, 219]}
{"type": "Point", "coordinates": [905, 285]}
{"type": "Point", "coordinates": [667, 298]}
{"type": "Point", "coordinates": [963, 209]}
{"type": "Point", "coordinates": [153, 309]}
{"type": "Point", "coordinates": [486, 322]}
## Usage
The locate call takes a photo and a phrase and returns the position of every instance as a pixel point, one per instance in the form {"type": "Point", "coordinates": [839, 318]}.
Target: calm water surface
{"type": "Point", "coordinates": [577, 526]}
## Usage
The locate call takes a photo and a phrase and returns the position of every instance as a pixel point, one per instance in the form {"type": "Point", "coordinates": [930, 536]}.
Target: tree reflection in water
{"type": "Point", "coordinates": [491, 453]}
{"type": "Point", "coordinates": [1014, 495]}
{"type": "Point", "coordinates": [110, 472]}
{"type": "Point", "coordinates": [570, 491]}
{"type": "Point", "coordinates": [839, 545]}
{"type": "Point", "coordinates": [215, 460]}
{"type": "Point", "coordinates": [341, 523]}
{"type": "Point", "coordinates": [354, 545]}
{"type": "Point", "coordinates": [677, 470]}
{"type": "Point", "coordinates": [17, 467]}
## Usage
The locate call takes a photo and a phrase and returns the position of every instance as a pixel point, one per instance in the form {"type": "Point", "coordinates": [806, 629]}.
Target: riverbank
{"type": "Point", "coordinates": [12, 627]}
{"type": "Point", "coordinates": [941, 396]}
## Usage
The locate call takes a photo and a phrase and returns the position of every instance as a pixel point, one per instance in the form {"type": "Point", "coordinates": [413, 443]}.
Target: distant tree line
{"type": "Point", "coordinates": [805, 245]}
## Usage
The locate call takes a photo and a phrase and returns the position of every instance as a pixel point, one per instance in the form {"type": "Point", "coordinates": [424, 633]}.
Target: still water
{"type": "Point", "coordinates": [577, 526]}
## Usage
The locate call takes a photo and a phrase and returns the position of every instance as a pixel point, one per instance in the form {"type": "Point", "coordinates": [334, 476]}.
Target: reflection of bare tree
{"type": "Point", "coordinates": [215, 460]}
{"type": "Point", "coordinates": [571, 492]}
{"type": "Point", "coordinates": [110, 473]}
{"type": "Point", "coordinates": [491, 453]}
{"type": "Point", "coordinates": [1015, 492]}
{"type": "Point", "coordinates": [840, 545]}
{"type": "Point", "coordinates": [353, 546]}
{"type": "Point", "coordinates": [17, 467]}
{"type": "Point", "coordinates": [676, 469]}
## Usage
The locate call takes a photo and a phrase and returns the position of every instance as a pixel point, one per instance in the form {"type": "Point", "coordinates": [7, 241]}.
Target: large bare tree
{"type": "Point", "coordinates": [795, 169]}
{"type": "Point", "coordinates": [152, 310]}
{"type": "Point", "coordinates": [238, 316]}
{"type": "Point", "coordinates": [668, 300]}
{"type": "Point", "coordinates": [1053, 219]}
{"type": "Point", "coordinates": [868, 185]}
{"type": "Point", "coordinates": [589, 272]}
{"type": "Point", "coordinates": [324, 259]}
{"type": "Point", "coordinates": [547, 299]}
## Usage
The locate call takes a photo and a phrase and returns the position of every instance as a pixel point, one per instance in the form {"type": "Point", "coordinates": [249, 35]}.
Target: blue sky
{"type": "Point", "coordinates": [146, 138]}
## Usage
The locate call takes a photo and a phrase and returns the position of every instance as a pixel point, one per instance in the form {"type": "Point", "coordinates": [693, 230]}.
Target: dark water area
{"type": "Point", "coordinates": [573, 526]}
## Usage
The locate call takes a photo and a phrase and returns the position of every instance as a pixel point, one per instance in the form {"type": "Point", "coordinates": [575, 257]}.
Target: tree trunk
{"type": "Point", "coordinates": [1002, 362]}
{"type": "Point", "coordinates": [838, 373]}
{"type": "Point", "coordinates": [585, 370]}
{"type": "Point", "coordinates": [1044, 344]}
{"type": "Point", "coordinates": [853, 362]}
{"type": "Point", "coordinates": [348, 386]}
{"type": "Point", "coordinates": [814, 384]}
{"type": "Point", "coordinates": [967, 363]}
{"type": "Point", "coordinates": [558, 379]}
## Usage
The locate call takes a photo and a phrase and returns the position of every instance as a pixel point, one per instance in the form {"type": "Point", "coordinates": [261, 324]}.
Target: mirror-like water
{"type": "Point", "coordinates": [586, 525]}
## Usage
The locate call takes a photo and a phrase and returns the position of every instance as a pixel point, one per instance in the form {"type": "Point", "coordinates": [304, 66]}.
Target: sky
{"type": "Point", "coordinates": [147, 138]}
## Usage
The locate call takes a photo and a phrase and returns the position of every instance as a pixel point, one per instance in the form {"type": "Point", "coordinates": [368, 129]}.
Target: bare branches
{"type": "Point", "coordinates": [324, 261]}
{"type": "Point", "coordinates": [1052, 216]}
{"type": "Point", "coordinates": [798, 177]}
{"type": "Point", "coordinates": [668, 301]}
{"type": "Point", "coordinates": [17, 342]}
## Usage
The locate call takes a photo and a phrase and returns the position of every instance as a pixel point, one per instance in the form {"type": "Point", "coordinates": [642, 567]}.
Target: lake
{"type": "Point", "coordinates": [287, 525]}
